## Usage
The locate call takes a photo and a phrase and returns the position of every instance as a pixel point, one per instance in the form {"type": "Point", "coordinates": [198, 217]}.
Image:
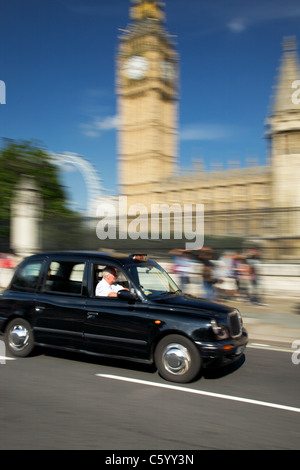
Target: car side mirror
{"type": "Point", "coordinates": [127, 295]}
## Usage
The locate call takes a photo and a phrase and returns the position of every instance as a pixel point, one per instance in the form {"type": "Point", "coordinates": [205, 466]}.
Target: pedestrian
{"type": "Point", "coordinates": [254, 262]}
{"type": "Point", "coordinates": [226, 277]}
{"type": "Point", "coordinates": [208, 277]}
{"type": "Point", "coordinates": [183, 269]}
{"type": "Point", "coordinates": [245, 277]}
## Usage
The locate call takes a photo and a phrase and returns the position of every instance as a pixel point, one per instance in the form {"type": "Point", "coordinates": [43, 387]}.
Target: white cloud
{"type": "Point", "coordinates": [110, 122]}
{"type": "Point", "coordinates": [237, 25]}
{"type": "Point", "coordinates": [200, 131]}
{"type": "Point", "coordinates": [99, 125]}
{"type": "Point", "coordinates": [243, 15]}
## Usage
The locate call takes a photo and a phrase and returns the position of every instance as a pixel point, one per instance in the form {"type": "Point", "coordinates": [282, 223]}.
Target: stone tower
{"type": "Point", "coordinates": [26, 216]}
{"type": "Point", "coordinates": [284, 134]}
{"type": "Point", "coordinates": [147, 89]}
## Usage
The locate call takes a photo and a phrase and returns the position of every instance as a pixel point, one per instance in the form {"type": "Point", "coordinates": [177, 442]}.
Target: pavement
{"type": "Point", "coordinates": [276, 321]}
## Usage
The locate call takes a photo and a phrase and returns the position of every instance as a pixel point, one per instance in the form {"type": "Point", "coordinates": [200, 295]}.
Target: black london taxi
{"type": "Point", "coordinates": [53, 300]}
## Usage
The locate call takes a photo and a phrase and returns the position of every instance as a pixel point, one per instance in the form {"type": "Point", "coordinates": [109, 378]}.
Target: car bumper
{"type": "Point", "coordinates": [221, 353]}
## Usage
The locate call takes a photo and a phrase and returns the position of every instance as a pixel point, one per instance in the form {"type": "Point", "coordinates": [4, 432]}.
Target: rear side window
{"type": "Point", "coordinates": [64, 277]}
{"type": "Point", "coordinates": [27, 277]}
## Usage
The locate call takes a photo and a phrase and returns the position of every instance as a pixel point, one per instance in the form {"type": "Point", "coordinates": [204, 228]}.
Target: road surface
{"type": "Point", "coordinates": [54, 400]}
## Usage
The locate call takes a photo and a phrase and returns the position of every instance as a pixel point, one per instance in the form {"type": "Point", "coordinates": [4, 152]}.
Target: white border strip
{"type": "Point", "coordinates": [269, 347]}
{"type": "Point", "coordinates": [200, 392]}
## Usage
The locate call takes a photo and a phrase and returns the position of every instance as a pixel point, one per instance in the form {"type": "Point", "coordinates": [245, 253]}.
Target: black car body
{"type": "Point", "coordinates": [51, 301]}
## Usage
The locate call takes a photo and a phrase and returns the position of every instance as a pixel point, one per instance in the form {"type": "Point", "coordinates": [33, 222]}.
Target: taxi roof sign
{"type": "Point", "coordinates": [139, 256]}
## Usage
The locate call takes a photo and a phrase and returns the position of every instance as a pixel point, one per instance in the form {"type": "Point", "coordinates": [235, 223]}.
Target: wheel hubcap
{"type": "Point", "coordinates": [18, 337]}
{"type": "Point", "coordinates": [176, 359]}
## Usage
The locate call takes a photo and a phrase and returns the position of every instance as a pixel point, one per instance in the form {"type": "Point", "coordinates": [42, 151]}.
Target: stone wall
{"type": "Point", "coordinates": [280, 279]}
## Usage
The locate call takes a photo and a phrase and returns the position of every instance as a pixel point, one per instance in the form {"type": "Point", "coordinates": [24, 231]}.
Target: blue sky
{"type": "Point", "coordinates": [58, 63]}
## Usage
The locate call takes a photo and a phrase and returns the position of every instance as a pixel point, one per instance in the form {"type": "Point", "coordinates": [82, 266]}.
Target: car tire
{"type": "Point", "coordinates": [19, 339]}
{"type": "Point", "coordinates": [177, 359]}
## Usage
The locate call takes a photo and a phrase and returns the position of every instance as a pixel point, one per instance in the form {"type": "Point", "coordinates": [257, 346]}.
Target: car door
{"type": "Point", "coordinates": [60, 305]}
{"type": "Point", "coordinates": [20, 299]}
{"type": "Point", "coordinates": [117, 327]}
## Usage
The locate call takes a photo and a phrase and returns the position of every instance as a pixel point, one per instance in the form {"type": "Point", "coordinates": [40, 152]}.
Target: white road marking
{"type": "Point", "coordinates": [201, 392]}
{"type": "Point", "coordinates": [269, 347]}
{"type": "Point", "coordinates": [4, 358]}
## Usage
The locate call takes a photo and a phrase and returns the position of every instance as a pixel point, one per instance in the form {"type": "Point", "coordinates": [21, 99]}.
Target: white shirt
{"type": "Point", "coordinates": [103, 288]}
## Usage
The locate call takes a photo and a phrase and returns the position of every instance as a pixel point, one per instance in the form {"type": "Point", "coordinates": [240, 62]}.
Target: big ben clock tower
{"type": "Point", "coordinates": [147, 88]}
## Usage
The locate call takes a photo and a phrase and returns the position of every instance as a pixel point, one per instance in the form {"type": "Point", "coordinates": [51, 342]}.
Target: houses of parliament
{"type": "Point", "coordinates": [260, 203]}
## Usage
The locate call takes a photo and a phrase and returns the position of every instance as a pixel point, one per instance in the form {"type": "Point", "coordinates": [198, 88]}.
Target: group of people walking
{"type": "Point", "coordinates": [237, 277]}
{"type": "Point", "coordinates": [232, 276]}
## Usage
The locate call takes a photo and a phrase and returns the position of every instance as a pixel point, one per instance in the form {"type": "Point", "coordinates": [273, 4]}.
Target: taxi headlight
{"type": "Point", "coordinates": [219, 330]}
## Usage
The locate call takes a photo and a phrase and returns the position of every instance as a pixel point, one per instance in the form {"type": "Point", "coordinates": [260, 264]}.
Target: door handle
{"type": "Point", "coordinates": [39, 308]}
{"type": "Point", "coordinates": [91, 315]}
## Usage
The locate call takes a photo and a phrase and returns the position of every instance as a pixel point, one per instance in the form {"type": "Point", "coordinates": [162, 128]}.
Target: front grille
{"type": "Point", "coordinates": [235, 324]}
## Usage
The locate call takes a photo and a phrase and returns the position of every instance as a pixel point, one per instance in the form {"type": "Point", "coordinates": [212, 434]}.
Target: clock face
{"type": "Point", "coordinates": [136, 67]}
{"type": "Point", "coordinates": [168, 70]}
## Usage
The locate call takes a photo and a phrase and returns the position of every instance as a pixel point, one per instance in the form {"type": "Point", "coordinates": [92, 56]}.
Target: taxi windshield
{"type": "Point", "coordinates": [153, 280]}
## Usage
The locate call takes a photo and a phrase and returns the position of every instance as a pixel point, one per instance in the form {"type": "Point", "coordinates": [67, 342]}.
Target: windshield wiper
{"type": "Point", "coordinates": [170, 292]}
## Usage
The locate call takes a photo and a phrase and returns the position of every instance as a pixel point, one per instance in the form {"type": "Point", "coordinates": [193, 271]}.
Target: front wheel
{"type": "Point", "coordinates": [177, 359]}
{"type": "Point", "coordinates": [19, 338]}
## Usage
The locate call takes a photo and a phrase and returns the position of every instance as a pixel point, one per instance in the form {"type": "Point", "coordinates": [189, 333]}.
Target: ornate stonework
{"type": "Point", "coordinates": [238, 201]}
{"type": "Point", "coordinates": [147, 83]}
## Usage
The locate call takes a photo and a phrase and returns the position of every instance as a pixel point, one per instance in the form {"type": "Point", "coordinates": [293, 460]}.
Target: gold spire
{"type": "Point", "coordinates": [147, 9]}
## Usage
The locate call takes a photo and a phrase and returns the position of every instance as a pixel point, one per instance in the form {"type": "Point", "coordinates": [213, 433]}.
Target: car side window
{"type": "Point", "coordinates": [64, 277]}
{"type": "Point", "coordinates": [27, 277]}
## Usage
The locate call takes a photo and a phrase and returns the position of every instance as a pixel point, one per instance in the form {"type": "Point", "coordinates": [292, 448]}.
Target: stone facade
{"type": "Point", "coordinates": [259, 202]}
{"type": "Point", "coordinates": [147, 100]}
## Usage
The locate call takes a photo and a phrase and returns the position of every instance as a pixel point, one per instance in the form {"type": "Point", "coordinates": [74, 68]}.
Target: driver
{"type": "Point", "coordinates": [107, 287]}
